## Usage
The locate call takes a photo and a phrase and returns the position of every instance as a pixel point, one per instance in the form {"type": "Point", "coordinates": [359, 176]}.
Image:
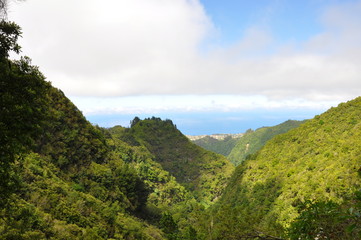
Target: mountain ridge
{"type": "Point", "coordinates": [317, 162]}
{"type": "Point", "coordinates": [217, 136]}
{"type": "Point", "coordinates": [199, 170]}
{"type": "Point", "coordinates": [254, 140]}
{"type": "Point", "coordinates": [63, 178]}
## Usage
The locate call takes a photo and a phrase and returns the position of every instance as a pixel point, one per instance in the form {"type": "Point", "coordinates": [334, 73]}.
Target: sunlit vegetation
{"type": "Point", "coordinates": [253, 141]}
{"type": "Point", "coordinates": [63, 178]}
{"type": "Point", "coordinates": [219, 146]}
{"type": "Point", "coordinates": [318, 162]}
{"type": "Point", "coordinates": [203, 173]}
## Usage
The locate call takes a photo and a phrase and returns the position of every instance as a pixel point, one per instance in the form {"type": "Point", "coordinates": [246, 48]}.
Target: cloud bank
{"type": "Point", "coordinates": [119, 48]}
{"type": "Point", "coordinates": [192, 103]}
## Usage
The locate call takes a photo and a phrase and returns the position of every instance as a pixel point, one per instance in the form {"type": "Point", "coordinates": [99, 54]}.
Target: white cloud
{"type": "Point", "coordinates": [149, 47]}
{"type": "Point", "coordinates": [192, 103]}
{"type": "Point", "coordinates": [112, 47]}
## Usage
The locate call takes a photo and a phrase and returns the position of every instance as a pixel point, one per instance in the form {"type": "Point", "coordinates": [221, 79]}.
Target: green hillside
{"type": "Point", "coordinates": [304, 180]}
{"type": "Point", "coordinates": [63, 178]}
{"type": "Point", "coordinates": [253, 141]}
{"type": "Point", "coordinates": [223, 146]}
{"type": "Point", "coordinates": [202, 172]}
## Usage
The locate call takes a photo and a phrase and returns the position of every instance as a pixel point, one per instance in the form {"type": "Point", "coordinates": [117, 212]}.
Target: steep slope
{"type": "Point", "coordinates": [66, 179]}
{"type": "Point", "coordinates": [318, 161]}
{"type": "Point", "coordinates": [253, 141]}
{"type": "Point", "coordinates": [79, 182]}
{"type": "Point", "coordinates": [72, 185]}
{"type": "Point", "coordinates": [203, 172]}
{"type": "Point", "coordinates": [220, 146]}
{"type": "Point", "coordinates": [61, 177]}
{"type": "Point", "coordinates": [68, 138]}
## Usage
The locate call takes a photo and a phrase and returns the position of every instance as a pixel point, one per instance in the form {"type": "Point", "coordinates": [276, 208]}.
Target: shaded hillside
{"type": "Point", "coordinates": [62, 178]}
{"type": "Point", "coordinates": [253, 141]}
{"type": "Point", "coordinates": [75, 181]}
{"type": "Point", "coordinates": [201, 171]}
{"type": "Point", "coordinates": [68, 138]}
{"type": "Point", "coordinates": [318, 161]}
{"type": "Point", "coordinates": [67, 184]}
{"type": "Point", "coordinates": [220, 146]}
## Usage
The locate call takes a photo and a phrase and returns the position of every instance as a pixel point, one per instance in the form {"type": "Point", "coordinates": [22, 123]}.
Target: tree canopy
{"type": "Point", "coordinates": [22, 103]}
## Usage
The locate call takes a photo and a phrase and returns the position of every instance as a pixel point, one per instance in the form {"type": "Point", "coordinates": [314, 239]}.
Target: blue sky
{"type": "Point", "coordinates": [210, 66]}
{"type": "Point", "coordinates": [287, 20]}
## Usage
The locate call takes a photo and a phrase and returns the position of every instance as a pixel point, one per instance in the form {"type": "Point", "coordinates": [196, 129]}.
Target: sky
{"type": "Point", "coordinates": [211, 66]}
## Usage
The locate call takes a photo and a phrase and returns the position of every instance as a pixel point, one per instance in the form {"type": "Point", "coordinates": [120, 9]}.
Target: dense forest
{"type": "Point", "coordinates": [221, 146]}
{"type": "Point", "coordinates": [63, 178]}
{"type": "Point", "coordinates": [253, 141]}
{"type": "Point", "coordinates": [202, 172]}
{"type": "Point", "coordinates": [301, 184]}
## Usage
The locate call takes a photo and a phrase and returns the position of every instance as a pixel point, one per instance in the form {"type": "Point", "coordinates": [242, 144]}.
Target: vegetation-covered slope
{"type": "Point", "coordinates": [223, 146]}
{"type": "Point", "coordinates": [62, 178]}
{"type": "Point", "coordinates": [318, 161]}
{"type": "Point", "coordinates": [74, 181]}
{"type": "Point", "coordinates": [203, 172]}
{"type": "Point", "coordinates": [253, 141]}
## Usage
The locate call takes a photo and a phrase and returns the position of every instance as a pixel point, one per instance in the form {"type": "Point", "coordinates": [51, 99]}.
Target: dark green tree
{"type": "Point", "coordinates": [191, 233]}
{"type": "Point", "coordinates": [318, 220]}
{"type": "Point", "coordinates": [134, 121]}
{"type": "Point", "coordinates": [22, 100]}
{"type": "Point", "coordinates": [328, 220]}
{"type": "Point", "coordinates": [9, 34]}
{"type": "Point", "coordinates": [169, 226]}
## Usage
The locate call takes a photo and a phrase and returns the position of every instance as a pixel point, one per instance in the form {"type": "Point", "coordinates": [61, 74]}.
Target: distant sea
{"type": "Point", "coordinates": [200, 123]}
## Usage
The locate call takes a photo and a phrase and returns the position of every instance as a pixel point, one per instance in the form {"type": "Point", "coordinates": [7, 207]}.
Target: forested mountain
{"type": "Point", "coordinates": [220, 146]}
{"type": "Point", "coordinates": [202, 172]}
{"type": "Point", "coordinates": [63, 178]}
{"type": "Point", "coordinates": [236, 149]}
{"type": "Point", "coordinates": [305, 181]}
{"type": "Point", "coordinates": [59, 177]}
{"type": "Point", "coordinates": [253, 141]}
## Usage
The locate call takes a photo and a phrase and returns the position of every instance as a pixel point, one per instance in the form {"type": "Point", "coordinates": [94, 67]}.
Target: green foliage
{"type": "Point", "coordinates": [253, 141]}
{"type": "Point", "coordinates": [166, 195]}
{"type": "Point", "coordinates": [321, 220]}
{"type": "Point", "coordinates": [49, 206]}
{"type": "Point", "coordinates": [203, 172]}
{"type": "Point", "coordinates": [62, 178]}
{"type": "Point", "coordinates": [74, 180]}
{"type": "Point", "coordinates": [191, 233]}
{"type": "Point", "coordinates": [169, 226]}
{"type": "Point", "coordinates": [328, 220]}
{"type": "Point", "coordinates": [223, 147]}
{"type": "Point", "coordinates": [68, 137]}
{"type": "Point", "coordinates": [22, 107]}
{"type": "Point", "coordinates": [9, 34]}
{"type": "Point", "coordinates": [58, 177]}
{"type": "Point", "coordinates": [317, 162]}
